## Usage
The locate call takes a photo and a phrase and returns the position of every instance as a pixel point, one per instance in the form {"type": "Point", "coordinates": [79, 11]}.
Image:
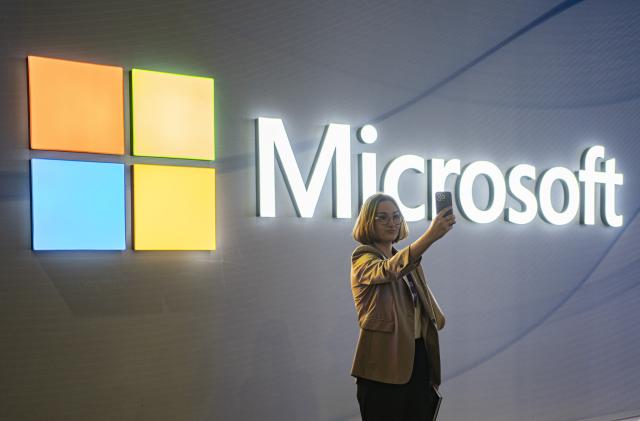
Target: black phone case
{"type": "Point", "coordinates": [443, 200]}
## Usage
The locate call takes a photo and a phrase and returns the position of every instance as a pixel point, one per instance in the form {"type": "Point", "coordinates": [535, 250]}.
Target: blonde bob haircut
{"type": "Point", "coordinates": [364, 231]}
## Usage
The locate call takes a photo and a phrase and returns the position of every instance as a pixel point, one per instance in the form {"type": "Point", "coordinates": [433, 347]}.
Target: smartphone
{"type": "Point", "coordinates": [443, 200]}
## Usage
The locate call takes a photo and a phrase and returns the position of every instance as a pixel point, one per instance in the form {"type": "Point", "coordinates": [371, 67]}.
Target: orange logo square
{"type": "Point", "coordinates": [75, 106]}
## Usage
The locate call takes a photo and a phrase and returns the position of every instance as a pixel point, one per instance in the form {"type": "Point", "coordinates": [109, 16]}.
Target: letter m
{"type": "Point", "coordinates": [272, 139]}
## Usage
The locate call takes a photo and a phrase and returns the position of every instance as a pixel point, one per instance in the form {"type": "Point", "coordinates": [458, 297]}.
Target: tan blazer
{"type": "Point", "coordinates": [386, 316]}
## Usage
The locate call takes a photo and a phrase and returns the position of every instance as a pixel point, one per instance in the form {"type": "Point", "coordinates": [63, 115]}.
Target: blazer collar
{"type": "Point", "coordinates": [374, 249]}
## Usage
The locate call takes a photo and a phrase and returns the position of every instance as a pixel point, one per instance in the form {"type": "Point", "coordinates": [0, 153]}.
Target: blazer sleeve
{"type": "Point", "coordinates": [440, 319]}
{"type": "Point", "coordinates": [435, 307]}
{"type": "Point", "coordinates": [368, 268]}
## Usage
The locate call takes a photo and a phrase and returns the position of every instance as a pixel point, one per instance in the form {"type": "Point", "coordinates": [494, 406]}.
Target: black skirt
{"type": "Point", "coordinates": [399, 402]}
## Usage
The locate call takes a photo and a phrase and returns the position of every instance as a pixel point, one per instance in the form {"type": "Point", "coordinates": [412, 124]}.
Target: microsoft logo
{"type": "Point", "coordinates": [80, 204]}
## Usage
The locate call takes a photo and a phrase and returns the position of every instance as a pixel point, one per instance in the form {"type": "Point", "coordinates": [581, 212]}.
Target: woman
{"type": "Point", "coordinates": [397, 359]}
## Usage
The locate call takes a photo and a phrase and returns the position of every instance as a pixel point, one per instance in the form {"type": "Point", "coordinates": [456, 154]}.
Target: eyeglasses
{"type": "Point", "coordinates": [383, 218]}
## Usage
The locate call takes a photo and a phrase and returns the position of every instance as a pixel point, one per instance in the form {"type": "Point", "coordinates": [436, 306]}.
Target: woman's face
{"type": "Point", "coordinates": [387, 222]}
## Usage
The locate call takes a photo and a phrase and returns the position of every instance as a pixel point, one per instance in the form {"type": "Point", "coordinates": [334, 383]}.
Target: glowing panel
{"type": "Point", "coordinates": [75, 107]}
{"type": "Point", "coordinates": [172, 115]}
{"type": "Point", "coordinates": [368, 134]}
{"type": "Point", "coordinates": [174, 208]}
{"type": "Point", "coordinates": [391, 183]}
{"type": "Point", "coordinates": [522, 194]}
{"type": "Point", "coordinates": [272, 139]}
{"type": "Point", "coordinates": [77, 205]}
{"type": "Point", "coordinates": [368, 175]}
{"type": "Point", "coordinates": [497, 192]}
{"type": "Point", "coordinates": [571, 191]}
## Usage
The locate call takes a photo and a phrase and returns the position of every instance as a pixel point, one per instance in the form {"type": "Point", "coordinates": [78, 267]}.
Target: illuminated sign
{"type": "Point", "coordinates": [579, 191]}
{"type": "Point", "coordinates": [79, 205]}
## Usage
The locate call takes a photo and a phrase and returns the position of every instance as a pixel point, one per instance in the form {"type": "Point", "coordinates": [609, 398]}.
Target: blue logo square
{"type": "Point", "coordinates": [77, 205]}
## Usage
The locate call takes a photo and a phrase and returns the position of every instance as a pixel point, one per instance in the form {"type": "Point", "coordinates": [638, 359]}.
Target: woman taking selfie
{"type": "Point", "coordinates": [397, 358]}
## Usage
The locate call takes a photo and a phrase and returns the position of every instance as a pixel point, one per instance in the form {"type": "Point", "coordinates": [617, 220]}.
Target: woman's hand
{"type": "Point", "coordinates": [439, 227]}
{"type": "Point", "coordinates": [441, 224]}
